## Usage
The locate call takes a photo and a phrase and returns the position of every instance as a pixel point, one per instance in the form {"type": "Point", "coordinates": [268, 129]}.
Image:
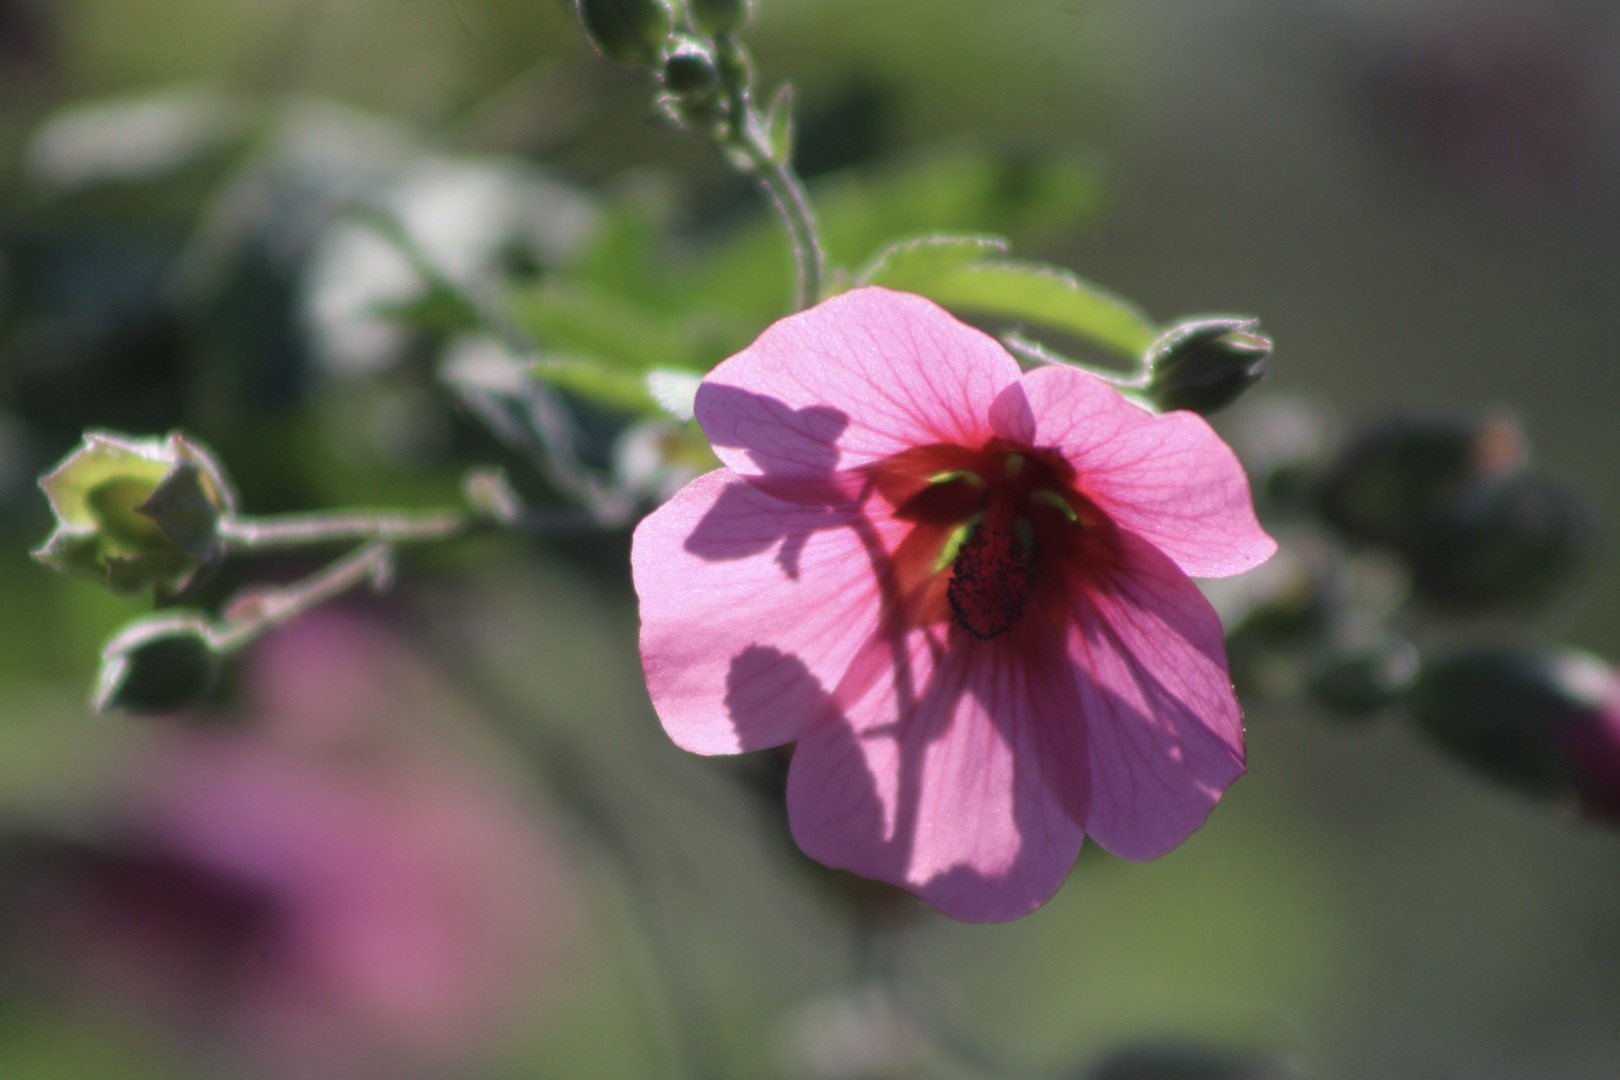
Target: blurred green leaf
{"type": "Point", "coordinates": [590, 379]}
{"type": "Point", "coordinates": [615, 333]}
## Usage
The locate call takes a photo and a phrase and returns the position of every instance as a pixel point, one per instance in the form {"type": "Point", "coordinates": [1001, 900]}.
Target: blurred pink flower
{"type": "Point", "coordinates": [372, 911]}
{"type": "Point", "coordinates": [962, 590]}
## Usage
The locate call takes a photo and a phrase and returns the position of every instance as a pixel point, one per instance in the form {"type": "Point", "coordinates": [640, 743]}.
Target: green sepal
{"type": "Point", "coordinates": [157, 664]}
{"type": "Point", "coordinates": [136, 513]}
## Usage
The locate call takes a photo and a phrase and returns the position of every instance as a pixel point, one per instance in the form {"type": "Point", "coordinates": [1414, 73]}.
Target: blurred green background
{"type": "Point", "coordinates": [1417, 198]}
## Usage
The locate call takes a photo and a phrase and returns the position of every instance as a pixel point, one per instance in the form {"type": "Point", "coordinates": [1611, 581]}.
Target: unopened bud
{"type": "Point", "coordinates": [1204, 365]}
{"type": "Point", "coordinates": [630, 32]}
{"type": "Point", "coordinates": [157, 665]}
{"type": "Point", "coordinates": [690, 70]}
{"type": "Point", "coordinates": [1454, 497]}
{"type": "Point", "coordinates": [1360, 682]}
{"type": "Point", "coordinates": [1543, 720]}
{"type": "Point", "coordinates": [717, 18]}
{"type": "Point", "coordinates": [1508, 542]}
{"type": "Point", "coordinates": [1188, 1061]}
{"type": "Point", "coordinates": [136, 513]}
{"type": "Point", "coordinates": [1393, 478]}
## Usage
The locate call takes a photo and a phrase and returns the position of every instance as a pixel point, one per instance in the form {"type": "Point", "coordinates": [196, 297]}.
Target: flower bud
{"type": "Point", "coordinates": [1543, 720]}
{"type": "Point", "coordinates": [1393, 478]}
{"type": "Point", "coordinates": [1204, 365]}
{"type": "Point", "coordinates": [136, 513]}
{"type": "Point", "coordinates": [690, 69]}
{"type": "Point", "coordinates": [630, 32]}
{"type": "Point", "coordinates": [1508, 542]}
{"type": "Point", "coordinates": [1188, 1061]}
{"type": "Point", "coordinates": [156, 665]}
{"type": "Point", "coordinates": [1358, 683]}
{"type": "Point", "coordinates": [1453, 496]}
{"type": "Point", "coordinates": [717, 18]}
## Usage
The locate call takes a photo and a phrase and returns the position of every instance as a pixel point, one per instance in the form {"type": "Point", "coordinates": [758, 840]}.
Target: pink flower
{"type": "Point", "coordinates": [962, 590]}
{"type": "Point", "coordinates": [314, 894]}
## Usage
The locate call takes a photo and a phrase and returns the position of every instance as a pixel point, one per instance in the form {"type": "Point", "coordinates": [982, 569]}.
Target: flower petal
{"type": "Point", "coordinates": [1163, 729]}
{"type": "Point", "coordinates": [1169, 478]}
{"type": "Point", "coordinates": [857, 378]}
{"type": "Point", "coordinates": [937, 780]}
{"type": "Point", "coordinates": [747, 601]}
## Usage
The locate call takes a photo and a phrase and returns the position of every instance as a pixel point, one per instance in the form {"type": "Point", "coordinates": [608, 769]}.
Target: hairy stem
{"type": "Point", "coordinates": [258, 610]}
{"type": "Point", "coordinates": [297, 530]}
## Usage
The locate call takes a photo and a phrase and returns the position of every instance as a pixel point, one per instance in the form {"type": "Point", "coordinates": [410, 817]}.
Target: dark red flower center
{"type": "Point", "coordinates": [993, 531]}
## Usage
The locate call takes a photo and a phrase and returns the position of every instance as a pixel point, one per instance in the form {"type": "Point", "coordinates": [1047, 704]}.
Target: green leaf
{"type": "Point", "coordinates": [589, 379]}
{"type": "Point", "coordinates": [1044, 294]}
{"type": "Point", "coordinates": [751, 275]}
{"type": "Point", "coordinates": [617, 333]}
{"type": "Point", "coordinates": [914, 264]}
{"type": "Point", "coordinates": [620, 334]}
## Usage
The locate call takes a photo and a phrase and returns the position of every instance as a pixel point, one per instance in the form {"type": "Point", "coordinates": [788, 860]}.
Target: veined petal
{"type": "Point", "coordinates": [938, 779]}
{"type": "Point", "coordinates": [1169, 479]}
{"type": "Point", "coordinates": [855, 379]}
{"type": "Point", "coordinates": [746, 602]}
{"type": "Point", "coordinates": [1164, 732]}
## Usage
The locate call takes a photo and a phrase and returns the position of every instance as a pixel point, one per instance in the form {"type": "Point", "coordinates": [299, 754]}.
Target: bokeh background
{"type": "Point", "coordinates": [441, 834]}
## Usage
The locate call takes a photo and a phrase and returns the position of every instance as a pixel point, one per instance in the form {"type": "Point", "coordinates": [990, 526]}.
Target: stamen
{"type": "Point", "coordinates": [954, 542]}
{"type": "Point", "coordinates": [1047, 497]}
{"type": "Point", "coordinates": [968, 475]}
{"type": "Point", "coordinates": [1015, 465]}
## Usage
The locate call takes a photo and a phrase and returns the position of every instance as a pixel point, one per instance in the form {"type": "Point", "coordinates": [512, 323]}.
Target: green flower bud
{"type": "Point", "coordinates": [1361, 682]}
{"type": "Point", "coordinates": [690, 70]}
{"type": "Point", "coordinates": [719, 17]}
{"type": "Point", "coordinates": [630, 32]}
{"type": "Point", "coordinates": [1543, 720]}
{"type": "Point", "coordinates": [136, 513]}
{"type": "Point", "coordinates": [1204, 365]}
{"type": "Point", "coordinates": [1395, 477]}
{"type": "Point", "coordinates": [1507, 542]}
{"type": "Point", "coordinates": [158, 664]}
{"type": "Point", "coordinates": [1453, 496]}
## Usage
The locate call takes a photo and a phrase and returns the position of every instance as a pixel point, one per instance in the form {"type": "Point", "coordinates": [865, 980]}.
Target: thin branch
{"type": "Point", "coordinates": [258, 610]}
{"type": "Point", "coordinates": [297, 530]}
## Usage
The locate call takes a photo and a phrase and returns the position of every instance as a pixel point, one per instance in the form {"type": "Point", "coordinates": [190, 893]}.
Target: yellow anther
{"type": "Point", "coordinates": [967, 475]}
{"type": "Point", "coordinates": [1015, 465]}
{"type": "Point", "coordinates": [954, 542]}
{"type": "Point", "coordinates": [1057, 502]}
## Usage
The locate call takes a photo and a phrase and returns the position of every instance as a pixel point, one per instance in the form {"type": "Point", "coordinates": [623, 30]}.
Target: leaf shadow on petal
{"type": "Point", "coordinates": [795, 450]}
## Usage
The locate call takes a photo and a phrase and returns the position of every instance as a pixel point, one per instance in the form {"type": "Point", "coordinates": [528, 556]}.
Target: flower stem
{"type": "Point", "coordinates": [792, 204]}
{"type": "Point", "coordinates": [298, 530]}
{"type": "Point", "coordinates": [747, 133]}
{"type": "Point", "coordinates": [258, 610]}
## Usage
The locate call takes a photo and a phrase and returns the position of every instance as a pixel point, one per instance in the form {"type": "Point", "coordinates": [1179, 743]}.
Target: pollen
{"type": "Point", "coordinates": [991, 581]}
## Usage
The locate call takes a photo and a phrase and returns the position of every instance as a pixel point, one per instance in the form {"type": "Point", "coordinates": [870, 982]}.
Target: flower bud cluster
{"type": "Point", "coordinates": [704, 73]}
{"type": "Point", "coordinates": [1456, 499]}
